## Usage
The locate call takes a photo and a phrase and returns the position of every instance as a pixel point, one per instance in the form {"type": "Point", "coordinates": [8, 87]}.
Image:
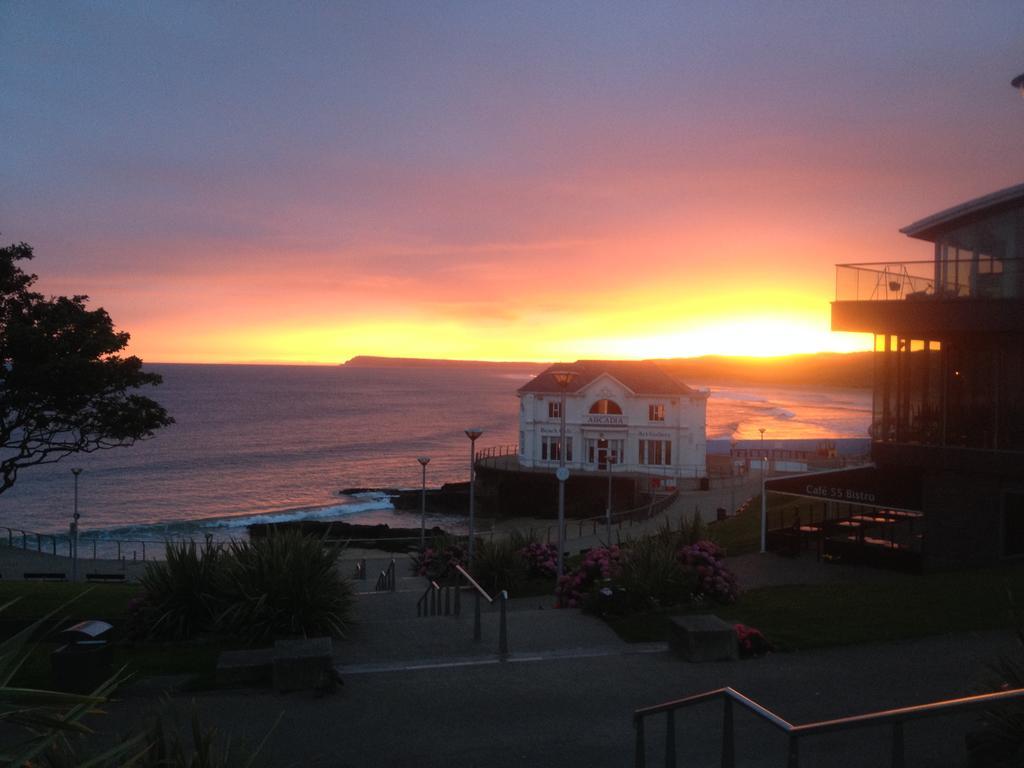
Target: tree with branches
{"type": "Point", "coordinates": [64, 388]}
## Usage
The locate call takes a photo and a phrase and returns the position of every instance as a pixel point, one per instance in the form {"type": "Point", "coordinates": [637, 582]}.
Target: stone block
{"type": "Point", "coordinates": [702, 637]}
{"type": "Point", "coordinates": [303, 664]}
{"type": "Point", "coordinates": [245, 668]}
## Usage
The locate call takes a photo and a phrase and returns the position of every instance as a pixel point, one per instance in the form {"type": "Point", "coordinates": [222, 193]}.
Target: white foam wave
{"type": "Point", "coordinates": [320, 513]}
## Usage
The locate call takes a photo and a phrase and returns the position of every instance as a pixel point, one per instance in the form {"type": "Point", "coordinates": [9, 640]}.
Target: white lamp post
{"type": "Point", "coordinates": [608, 508]}
{"type": "Point", "coordinates": [563, 379]}
{"type": "Point", "coordinates": [764, 497]}
{"type": "Point", "coordinates": [423, 460]}
{"type": "Point", "coordinates": [76, 471]}
{"type": "Point", "coordinates": [472, 433]}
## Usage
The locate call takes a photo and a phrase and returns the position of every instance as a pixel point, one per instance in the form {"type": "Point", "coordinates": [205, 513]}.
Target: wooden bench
{"type": "Point", "coordinates": [33, 576]}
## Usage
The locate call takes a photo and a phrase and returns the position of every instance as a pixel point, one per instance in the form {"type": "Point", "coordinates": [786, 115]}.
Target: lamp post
{"type": "Point", "coordinates": [764, 498]}
{"type": "Point", "coordinates": [76, 471]}
{"type": "Point", "coordinates": [608, 508]}
{"type": "Point", "coordinates": [472, 433]}
{"type": "Point", "coordinates": [423, 460]}
{"type": "Point", "coordinates": [563, 379]}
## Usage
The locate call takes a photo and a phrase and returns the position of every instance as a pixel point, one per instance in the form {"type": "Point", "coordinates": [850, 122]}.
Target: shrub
{"type": "Point", "coordinates": [713, 579]}
{"type": "Point", "coordinates": [601, 564]}
{"type": "Point", "coordinates": [1000, 742]}
{"type": "Point", "coordinates": [497, 566]}
{"type": "Point", "coordinates": [541, 559]}
{"type": "Point", "coordinates": [437, 561]}
{"type": "Point", "coordinates": [751, 642]}
{"type": "Point", "coordinates": [651, 574]}
{"type": "Point", "coordinates": [181, 592]}
{"type": "Point", "coordinates": [284, 584]}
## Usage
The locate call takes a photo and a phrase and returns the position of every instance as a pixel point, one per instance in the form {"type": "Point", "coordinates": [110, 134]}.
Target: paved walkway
{"type": "Point", "coordinates": [418, 691]}
{"type": "Point", "coordinates": [15, 562]}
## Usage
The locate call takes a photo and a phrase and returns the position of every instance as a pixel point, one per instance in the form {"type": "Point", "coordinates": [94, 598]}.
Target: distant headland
{"type": "Point", "coordinates": [372, 361]}
{"type": "Point", "coordinates": [830, 369]}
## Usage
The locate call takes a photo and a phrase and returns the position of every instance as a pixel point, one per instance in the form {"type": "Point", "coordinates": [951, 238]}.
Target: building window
{"type": "Point", "coordinates": [656, 412]}
{"type": "Point", "coordinates": [606, 406]}
{"type": "Point", "coordinates": [549, 449]}
{"type": "Point", "coordinates": [554, 409]}
{"type": "Point", "coordinates": [655, 452]}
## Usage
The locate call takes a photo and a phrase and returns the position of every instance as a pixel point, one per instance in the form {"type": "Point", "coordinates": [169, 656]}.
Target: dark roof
{"type": "Point", "coordinates": [932, 227]}
{"type": "Point", "coordinates": [639, 376]}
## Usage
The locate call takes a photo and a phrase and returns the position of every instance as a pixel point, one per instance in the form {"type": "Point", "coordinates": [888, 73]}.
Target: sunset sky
{"type": "Point", "coordinates": [520, 181]}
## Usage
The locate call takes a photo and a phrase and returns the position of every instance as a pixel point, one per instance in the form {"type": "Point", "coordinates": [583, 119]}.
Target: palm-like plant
{"type": "Point", "coordinates": [48, 717]}
{"type": "Point", "coordinates": [285, 584]}
{"type": "Point", "coordinates": [181, 592]}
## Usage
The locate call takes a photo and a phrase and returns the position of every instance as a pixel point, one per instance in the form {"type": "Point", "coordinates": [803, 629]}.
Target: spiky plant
{"type": "Point", "coordinates": [497, 566]}
{"type": "Point", "coordinates": [284, 584]}
{"type": "Point", "coordinates": [651, 573]}
{"type": "Point", "coordinates": [181, 592]}
{"type": "Point", "coordinates": [49, 717]}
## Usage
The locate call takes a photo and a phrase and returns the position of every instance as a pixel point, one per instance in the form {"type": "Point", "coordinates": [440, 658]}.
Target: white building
{"type": "Point", "coordinates": [626, 416]}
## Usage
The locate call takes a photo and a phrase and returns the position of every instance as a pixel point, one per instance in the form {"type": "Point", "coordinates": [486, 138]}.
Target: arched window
{"type": "Point", "coordinates": [605, 406]}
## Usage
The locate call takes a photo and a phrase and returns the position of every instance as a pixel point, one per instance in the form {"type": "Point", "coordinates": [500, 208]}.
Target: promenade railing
{"type": "Point", "coordinates": [89, 547]}
{"type": "Point", "coordinates": [796, 734]}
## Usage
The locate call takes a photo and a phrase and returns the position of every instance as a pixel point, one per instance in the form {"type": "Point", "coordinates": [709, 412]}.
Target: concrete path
{"type": "Point", "coordinates": [577, 711]}
{"type": "Point", "coordinates": [15, 562]}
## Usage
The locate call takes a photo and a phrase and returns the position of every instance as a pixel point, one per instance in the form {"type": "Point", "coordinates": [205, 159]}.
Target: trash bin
{"type": "Point", "coordinates": [85, 660]}
{"type": "Point", "coordinates": [721, 513]}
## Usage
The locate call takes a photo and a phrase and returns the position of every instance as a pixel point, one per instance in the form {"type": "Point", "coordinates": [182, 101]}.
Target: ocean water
{"type": "Point", "coordinates": [273, 443]}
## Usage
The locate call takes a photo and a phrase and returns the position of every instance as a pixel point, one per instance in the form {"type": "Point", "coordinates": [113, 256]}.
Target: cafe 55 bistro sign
{"type": "Point", "coordinates": [839, 493]}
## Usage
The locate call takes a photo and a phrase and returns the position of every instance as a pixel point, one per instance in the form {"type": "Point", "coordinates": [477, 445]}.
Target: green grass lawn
{"type": "Point", "coordinates": [741, 534]}
{"type": "Point", "coordinates": [820, 615]}
{"type": "Point", "coordinates": [108, 602]}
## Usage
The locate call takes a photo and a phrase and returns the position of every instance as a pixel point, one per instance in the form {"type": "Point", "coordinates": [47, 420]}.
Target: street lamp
{"type": "Point", "coordinates": [764, 498]}
{"type": "Point", "coordinates": [472, 433]}
{"type": "Point", "coordinates": [423, 460]}
{"type": "Point", "coordinates": [608, 508]}
{"type": "Point", "coordinates": [76, 471]}
{"type": "Point", "coordinates": [563, 379]}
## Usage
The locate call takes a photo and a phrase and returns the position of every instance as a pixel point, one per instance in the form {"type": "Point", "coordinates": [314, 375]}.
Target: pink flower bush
{"type": "Point", "coordinates": [436, 563]}
{"type": "Point", "coordinates": [714, 579]}
{"type": "Point", "coordinates": [751, 641]}
{"type": "Point", "coordinates": [541, 559]}
{"type": "Point", "coordinates": [601, 564]}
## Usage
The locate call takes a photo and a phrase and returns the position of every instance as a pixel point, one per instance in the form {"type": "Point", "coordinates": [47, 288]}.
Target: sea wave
{"type": "Point", "coordinates": [185, 528]}
{"type": "Point", "coordinates": [775, 412]}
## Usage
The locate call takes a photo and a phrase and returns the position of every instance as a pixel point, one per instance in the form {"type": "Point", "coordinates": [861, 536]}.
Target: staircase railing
{"type": "Point", "coordinates": [478, 593]}
{"type": "Point", "coordinates": [438, 600]}
{"type": "Point", "coordinates": [386, 580]}
{"type": "Point", "coordinates": [795, 733]}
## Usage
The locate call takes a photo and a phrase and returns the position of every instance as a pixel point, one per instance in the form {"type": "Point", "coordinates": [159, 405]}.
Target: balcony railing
{"type": "Point", "coordinates": [922, 280]}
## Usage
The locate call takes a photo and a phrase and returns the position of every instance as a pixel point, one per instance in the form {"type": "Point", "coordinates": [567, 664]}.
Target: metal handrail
{"type": "Point", "coordinates": [472, 583]}
{"type": "Point", "coordinates": [386, 580]}
{"type": "Point", "coordinates": [432, 604]}
{"type": "Point", "coordinates": [896, 717]}
{"type": "Point", "coordinates": [503, 615]}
